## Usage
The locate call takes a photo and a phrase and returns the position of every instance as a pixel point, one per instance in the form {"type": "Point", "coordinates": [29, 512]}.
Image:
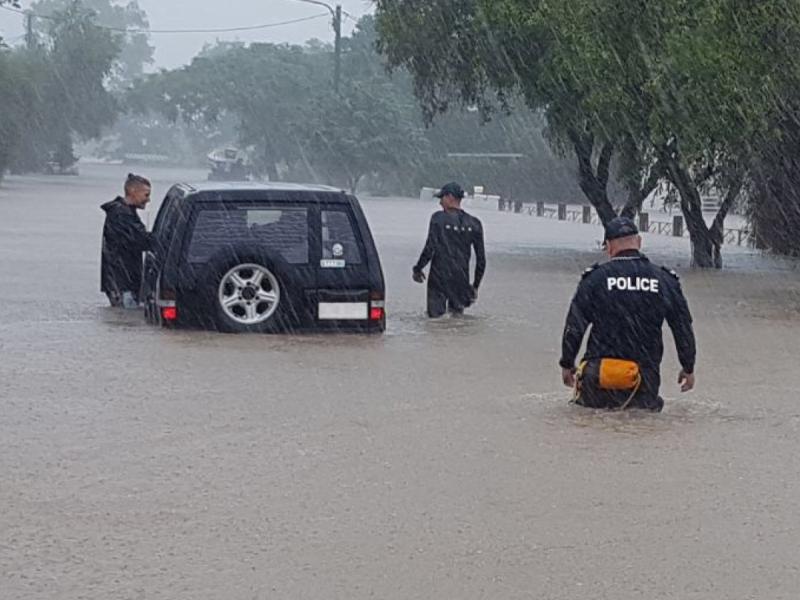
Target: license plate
{"type": "Point", "coordinates": [343, 311]}
{"type": "Point", "coordinates": [332, 263]}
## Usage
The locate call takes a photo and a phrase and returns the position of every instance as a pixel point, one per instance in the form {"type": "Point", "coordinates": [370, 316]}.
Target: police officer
{"type": "Point", "coordinates": [626, 301]}
{"type": "Point", "coordinates": [452, 235]}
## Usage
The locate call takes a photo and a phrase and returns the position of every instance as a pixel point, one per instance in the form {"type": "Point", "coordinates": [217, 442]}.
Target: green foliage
{"type": "Point", "coordinates": [362, 131]}
{"type": "Point", "coordinates": [279, 99]}
{"type": "Point", "coordinates": [261, 85]}
{"type": "Point", "coordinates": [676, 88]}
{"type": "Point", "coordinates": [371, 126]}
{"type": "Point", "coordinates": [282, 99]}
{"type": "Point", "coordinates": [54, 92]}
{"type": "Point", "coordinates": [135, 51]}
{"type": "Point", "coordinates": [283, 102]}
{"type": "Point", "coordinates": [12, 101]}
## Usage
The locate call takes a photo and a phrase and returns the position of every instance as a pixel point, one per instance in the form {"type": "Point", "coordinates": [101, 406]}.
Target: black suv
{"type": "Point", "coordinates": [246, 257]}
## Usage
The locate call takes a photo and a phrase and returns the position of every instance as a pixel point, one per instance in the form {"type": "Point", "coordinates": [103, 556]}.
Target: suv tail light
{"type": "Point", "coordinates": [167, 305]}
{"type": "Point", "coordinates": [377, 308]}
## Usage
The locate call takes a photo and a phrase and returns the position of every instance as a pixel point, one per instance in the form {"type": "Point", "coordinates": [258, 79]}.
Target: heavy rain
{"type": "Point", "coordinates": [260, 403]}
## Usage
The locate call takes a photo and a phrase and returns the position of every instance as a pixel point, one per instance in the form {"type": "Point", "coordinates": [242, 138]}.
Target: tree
{"type": "Point", "coordinates": [659, 84]}
{"type": "Point", "coordinates": [775, 164]}
{"type": "Point", "coordinates": [775, 206]}
{"type": "Point", "coordinates": [263, 85]}
{"type": "Point", "coordinates": [714, 94]}
{"type": "Point", "coordinates": [360, 132]}
{"type": "Point", "coordinates": [486, 54]}
{"type": "Point", "coordinates": [372, 130]}
{"type": "Point", "coordinates": [371, 126]}
{"type": "Point", "coordinates": [135, 50]}
{"type": "Point", "coordinates": [13, 88]}
{"type": "Point", "coordinates": [282, 99]}
{"type": "Point", "coordinates": [59, 91]}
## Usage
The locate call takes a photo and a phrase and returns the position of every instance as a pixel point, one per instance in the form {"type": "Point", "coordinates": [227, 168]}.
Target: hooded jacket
{"type": "Point", "coordinates": [125, 238]}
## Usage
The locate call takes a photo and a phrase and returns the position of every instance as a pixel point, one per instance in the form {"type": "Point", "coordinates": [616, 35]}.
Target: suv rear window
{"type": "Point", "coordinates": [280, 230]}
{"type": "Point", "coordinates": [339, 238]}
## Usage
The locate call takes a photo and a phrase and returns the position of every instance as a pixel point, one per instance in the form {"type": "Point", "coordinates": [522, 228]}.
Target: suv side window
{"type": "Point", "coordinates": [162, 212]}
{"type": "Point", "coordinates": [339, 239]}
{"type": "Point", "coordinates": [167, 218]}
{"type": "Point", "coordinates": [280, 230]}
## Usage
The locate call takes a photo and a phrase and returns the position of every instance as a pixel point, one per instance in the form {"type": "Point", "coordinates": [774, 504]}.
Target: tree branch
{"type": "Point", "coordinates": [727, 203]}
{"type": "Point", "coordinates": [707, 173]}
{"type": "Point", "coordinates": [592, 186]}
{"type": "Point", "coordinates": [637, 196]}
{"type": "Point", "coordinates": [690, 198]}
{"type": "Point", "coordinates": [583, 152]}
{"type": "Point", "coordinates": [604, 164]}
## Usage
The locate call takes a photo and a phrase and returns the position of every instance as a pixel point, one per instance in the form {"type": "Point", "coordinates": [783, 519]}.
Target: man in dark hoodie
{"type": "Point", "coordinates": [125, 238]}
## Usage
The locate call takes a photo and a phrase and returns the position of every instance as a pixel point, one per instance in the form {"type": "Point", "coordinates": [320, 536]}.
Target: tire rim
{"type": "Point", "coordinates": [249, 294]}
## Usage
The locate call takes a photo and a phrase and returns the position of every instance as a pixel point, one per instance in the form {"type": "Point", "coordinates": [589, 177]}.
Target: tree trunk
{"type": "Point", "coordinates": [705, 253]}
{"type": "Point", "coordinates": [637, 195]}
{"type": "Point", "coordinates": [270, 166]}
{"type": "Point", "coordinates": [717, 230]}
{"type": "Point", "coordinates": [354, 181]}
{"type": "Point", "coordinates": [304, 159]}
{"type": "Point", "coordinates": [594, 184]}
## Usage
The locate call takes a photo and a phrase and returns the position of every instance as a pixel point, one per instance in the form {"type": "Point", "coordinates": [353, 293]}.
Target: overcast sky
{"type": "Point", "coordinates": [176, 49]}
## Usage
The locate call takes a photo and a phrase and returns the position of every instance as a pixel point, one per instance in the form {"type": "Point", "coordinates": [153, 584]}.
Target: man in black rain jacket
{"type": "Point", "coordinates": [626, 301]}
{"type": "Point", "coordinates": [452, 235]}
{"type": "Point", "coordinates": [125, 238]}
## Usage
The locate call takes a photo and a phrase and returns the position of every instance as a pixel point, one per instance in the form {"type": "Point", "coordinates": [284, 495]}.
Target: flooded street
{"type": "Point", "coordinates": [439, 461]}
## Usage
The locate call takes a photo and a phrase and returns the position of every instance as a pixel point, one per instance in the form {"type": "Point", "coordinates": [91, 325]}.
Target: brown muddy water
{"type": "Point", "coordinates": [440, 461]}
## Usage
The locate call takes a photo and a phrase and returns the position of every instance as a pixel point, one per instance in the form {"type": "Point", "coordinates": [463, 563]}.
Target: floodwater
{"type": "Point", "coordinates": [440, 461]}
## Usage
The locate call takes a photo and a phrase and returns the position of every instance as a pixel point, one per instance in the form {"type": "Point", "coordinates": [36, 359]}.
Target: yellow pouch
{"type": "Point", "coordinates": [619, 374]}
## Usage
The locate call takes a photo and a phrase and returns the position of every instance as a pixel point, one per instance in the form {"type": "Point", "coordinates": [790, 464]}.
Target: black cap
{"type": "Point", "coordinates": [620, 227]}
{"type": "Point", "coordinates": [450, 188]}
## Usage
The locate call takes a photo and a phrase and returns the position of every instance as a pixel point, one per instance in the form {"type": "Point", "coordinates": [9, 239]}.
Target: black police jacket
{"type": "Point", "coordinates": [451, 238]}
{"type": "Point", "coordinates": [626, 301]}
{"type": "Point", "coordinates": [124, 239]}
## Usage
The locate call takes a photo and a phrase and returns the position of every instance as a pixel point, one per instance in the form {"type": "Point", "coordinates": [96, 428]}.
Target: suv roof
{"type": "Point", "coordinates": [254, 186]}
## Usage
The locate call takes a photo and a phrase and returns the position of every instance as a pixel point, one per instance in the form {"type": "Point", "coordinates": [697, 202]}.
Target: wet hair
{"type": "Point", "coordinates": [135, 181]}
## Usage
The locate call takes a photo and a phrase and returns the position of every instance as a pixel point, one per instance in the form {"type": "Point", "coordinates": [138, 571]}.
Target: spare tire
{"type": "Point", "coordinates": [248, 291]}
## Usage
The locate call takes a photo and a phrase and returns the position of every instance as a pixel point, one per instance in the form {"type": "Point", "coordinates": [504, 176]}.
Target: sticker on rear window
{"type": "Point", "coordinates": [332, 263]}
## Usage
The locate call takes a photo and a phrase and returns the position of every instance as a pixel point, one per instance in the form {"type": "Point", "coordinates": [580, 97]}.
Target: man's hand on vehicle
{"type": "Point", "coordinates": [568, 377]}
{"type": "Point", "coordinates": [686, 380]}
{"type": "Point", "coordinates": [418, 276]}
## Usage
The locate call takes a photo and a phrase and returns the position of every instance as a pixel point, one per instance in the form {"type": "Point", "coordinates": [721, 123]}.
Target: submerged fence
{"type": "Point", "coordinates": [584, 214]}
